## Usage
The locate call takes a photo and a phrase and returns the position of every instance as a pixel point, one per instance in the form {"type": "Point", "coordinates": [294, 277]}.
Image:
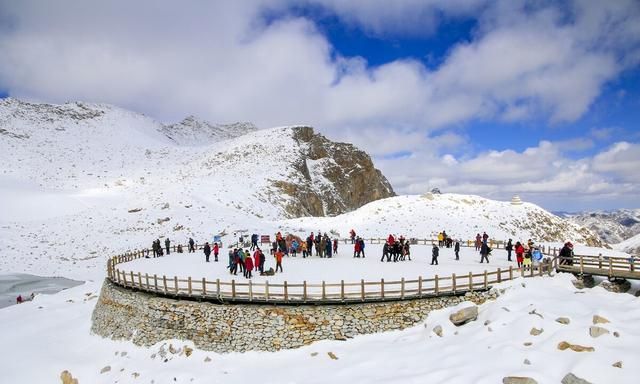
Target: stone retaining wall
{"type": "Point", "coordinates": [147, 319]}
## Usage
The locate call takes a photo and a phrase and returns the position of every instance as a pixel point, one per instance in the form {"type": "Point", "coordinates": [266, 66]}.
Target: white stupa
{"type": "Point", "coordinates": [515, 200]}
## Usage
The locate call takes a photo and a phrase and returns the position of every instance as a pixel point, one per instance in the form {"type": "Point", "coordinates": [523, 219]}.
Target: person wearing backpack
{"type": "Point", "coordinates": [435, 252]}
{"type": "Point", "coordinates": [207, 251]}
{"type": "Point", "coordinates": [484, 252]}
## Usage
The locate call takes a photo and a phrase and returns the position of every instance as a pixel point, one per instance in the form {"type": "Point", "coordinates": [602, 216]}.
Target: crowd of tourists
{"type": "Point", "coordinates": [249, 258]}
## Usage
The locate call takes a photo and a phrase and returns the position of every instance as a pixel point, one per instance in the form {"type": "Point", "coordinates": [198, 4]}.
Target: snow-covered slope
{"type": "Point", "coordinates": [630, 246]}
{"type": "Point", "coordinates": [194, 132]}
{"type": "Point", "coordinates": [461, 216]}
{"type": "Point", "coordinates": [611, 226]}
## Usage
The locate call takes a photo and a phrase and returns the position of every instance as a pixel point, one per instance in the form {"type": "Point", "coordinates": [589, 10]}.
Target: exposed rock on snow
{"type": "Point", "coordinates": [437, 330]}
{"type": "Point", "coordinates": [67, 378]}
{"type": "Point", "coordinates": [563, 345]}
{"type": "Point", "coordinates": [595, 331]}
{"type": "Point", "coordinates": [563, 320]}
{"type": "Point", "coordinates": [464, 315]}
{"type": "Point", "coordinates": [518, 380]}
{"type": "Point", "coordinates": [597, 319]}
{"type": "Point", "coordinates": [584, 281]}
{"type": "Point", "coordinates": [535, 331]}
{"type": "Point", "coordinates": [618, 286]}
{"type": "Point", "coordinates": [570, 378]}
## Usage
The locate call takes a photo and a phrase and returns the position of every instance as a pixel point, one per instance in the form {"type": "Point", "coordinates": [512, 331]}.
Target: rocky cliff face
{"type": "Point", "coordinates": [330, 178]}
{"type": "Point", "coordinates": [613, 226]}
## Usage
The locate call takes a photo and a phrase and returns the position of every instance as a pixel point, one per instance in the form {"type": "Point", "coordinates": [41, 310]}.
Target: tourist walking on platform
{"type": "Point", "coordinates": [167, 244]}
{"type": "Point", "coordinates": [262, 260]}
{"type": "Point", "coordinates": [435, 252]}
{"type": "Point", "coordinates": [519, 254]}
{"type": "Point", "coordinates": [207, 251]}
{"type": "Point", "coordinates": [484, 252]}
{"type": "Point", "coordinates": [248, 267]}
{"type": "Point", "coordinates": [509, 248]}
{"type": "Point", "coordinates": [192, 247]}
{"type": "Point", "coordinates": [233, 263]}
{"type": "Point", "coordinates": [356, 249]}
{"type": "Point", "coordinates": [335, 247]}
{"type": "Point", "coordinates": [279, 255]}
{"type": "Point", "coordinates": [406, 251]}
{"type": "Point", "coordinates": [216, 251]}
{"type": "Point", "coordinates": [329, 247]}
{"type": "Point", "coordinates": [478, 242]}
{"type": "Point", "coordinates": [456, 249]}
{"type": "Point", "coordinates": [256, 259]}
{"type": "Point", "coordinates": [352, 234]}
{"type": "Point", "coordinates": [361, 240]}
{"type": "Point", "coordinates": [254, 241]}
{"type": "Point", "coordinates": [485, 237]}
{"type": "Point", "coordinates": [385, 252]}
{"type": "Point", "coordinates": [154, 249]}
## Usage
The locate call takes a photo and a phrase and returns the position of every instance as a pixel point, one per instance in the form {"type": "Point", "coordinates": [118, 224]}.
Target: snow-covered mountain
{"type": "Point", "coordinates": [82, 181]}
{"type": "Point", "coordinates": [461, 216]}
{"type": "Point", "coordinates": [611, 226]}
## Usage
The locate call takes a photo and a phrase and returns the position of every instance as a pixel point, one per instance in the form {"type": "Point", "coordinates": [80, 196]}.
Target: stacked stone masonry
{"type": "Point", "coordinates": [147, 319]}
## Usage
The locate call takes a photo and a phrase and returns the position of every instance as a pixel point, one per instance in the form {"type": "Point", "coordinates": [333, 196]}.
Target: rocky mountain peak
{"type": "Point", "coordinates": [193, 131]}
{"type": "Point", "coordinates": [330, 178]}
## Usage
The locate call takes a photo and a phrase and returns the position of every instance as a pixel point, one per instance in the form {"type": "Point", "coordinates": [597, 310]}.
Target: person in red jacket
{"type": "Point", "coordinates": [256, 259]}
{"type": "Point", "coordinates": [519, 254]}
{"type": "Point", "coordinates": [248, 267]}
{"type": "Point", "coordinates": [391, 240]}
{"type": "Point", "coordinates": [279, 255]}
{"type": "Point", "coordinates": [356, 249]}
{"type": "Point", "coordinates": [216, 250]}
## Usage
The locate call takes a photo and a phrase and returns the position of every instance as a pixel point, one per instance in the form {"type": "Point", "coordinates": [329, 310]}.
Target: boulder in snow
{"type": "Point", "coordinates": [570, 378]}
{"type": "Point", "coordinates": [574, 347]}
{"type": "Point", "coordinates": [595, 331]}
{"type": "Point", "coordinates": [599, 320]}
{"type": "Point", "coordinates": [518, 380]}
{"type": "Point", "coordinates": [464, 315]}
{"type": "Point", "coordinates": [617, 286]}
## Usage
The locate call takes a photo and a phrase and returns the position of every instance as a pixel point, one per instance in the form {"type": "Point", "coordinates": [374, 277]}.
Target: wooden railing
{"type": "Point", "coordinates": [322, 292]}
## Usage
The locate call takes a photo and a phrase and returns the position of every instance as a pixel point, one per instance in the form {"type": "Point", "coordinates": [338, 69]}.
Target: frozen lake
{"type": "Point", "coordinates": [14, 284]}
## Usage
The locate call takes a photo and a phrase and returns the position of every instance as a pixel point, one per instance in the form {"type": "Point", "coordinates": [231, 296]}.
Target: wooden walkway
{"type": "Point", "coordinates": [245, 291]}
{"type": "Point", "coordinates": [611, 267]}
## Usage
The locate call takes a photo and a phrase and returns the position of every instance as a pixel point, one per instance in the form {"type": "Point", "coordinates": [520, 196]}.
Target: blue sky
{"type": "Point", "coordinates": [483, 97]}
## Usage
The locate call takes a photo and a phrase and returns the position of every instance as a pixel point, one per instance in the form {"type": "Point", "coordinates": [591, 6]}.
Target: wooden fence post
{"type": "Point", "coordinates": [233, 289]}
{"type": "Point", "coordinates": [362, 289]}
{"type": "Point", "coordinates": [155, 282]}
{"type": "Point", "coordinates": [124, 278]}
{"type": "Point", "coordinates": [133, 282]}
{"type": "Point", "coordinates": [324, 291]}
{"type": "Point", "coordinates": [581, 266]}
{"type": "Point", "coordinates": [499, 276]}
{"type": "Point", "coordinates": [304, 290]}
{"type": "Point", "coordinates": [453, 280]}
{"type": "Point", "coordinates": [250, 290]}
{"type": "Point", "coordinates": [486, 280]}
{"type": "Point", "coordinates": [470, 281]}
{"type": "Point", "coordinates": [139, 280]}
{"type": "Point", "coordinates": [175, 283]}
{"type": "Point", "coordinates": [189, 285]}
{"type": "Point", "coordinates": [266, 290]}
{"type": "Point", "coordinates": [286, 292]}
{"type": "Point", "coordinates": [437, 289]}
{"type": "Point", "coordinates": [382, 288]}
{"type": "Point", "coordinates": [510, 272]}
{"type": "Point", "coordinates": [204, 287]}
{"type": "Point", "coordinates": [420, 286]}
{"type": "Point", "coordinates": [164, 283]}
{"type": "Point", "coordinates": [146, 280]}
{"type": "Point", "coordinates": [402, 288]}
{"type": "Point", "coordinates": [218, 293]}
{"type": "Point", "coordinates": [342, 290]}
{"type": "Point", "coordinates": [610, 268]}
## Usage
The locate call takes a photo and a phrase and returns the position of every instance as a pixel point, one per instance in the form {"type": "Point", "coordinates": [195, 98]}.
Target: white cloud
{"type": "Point", "coordinates": [222, 62]}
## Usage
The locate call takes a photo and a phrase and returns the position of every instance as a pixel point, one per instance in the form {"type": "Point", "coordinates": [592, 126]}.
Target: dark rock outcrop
{"type": "Point", "coordinates": [331, 178]}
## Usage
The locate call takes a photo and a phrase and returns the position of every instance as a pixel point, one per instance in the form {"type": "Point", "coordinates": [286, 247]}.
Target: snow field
{"type": "Point", "coordinates": [57, 338]}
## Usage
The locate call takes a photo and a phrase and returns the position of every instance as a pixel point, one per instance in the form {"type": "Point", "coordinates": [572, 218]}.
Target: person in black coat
{"type": "Point", "coordinates": [435, 252]}
{"type": "Point", "coordinates": [484, 252]}
{"type": "Point", "coordinates": [207, 251]}
{"type": "Point", "coordinates": [509, 248]}
{"type": "Point", "coordinates": [167, 244]}
{"type": "Point", "coordinates": [192, 247]}
{"type": "Point", "coordinates": [456, 249]}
